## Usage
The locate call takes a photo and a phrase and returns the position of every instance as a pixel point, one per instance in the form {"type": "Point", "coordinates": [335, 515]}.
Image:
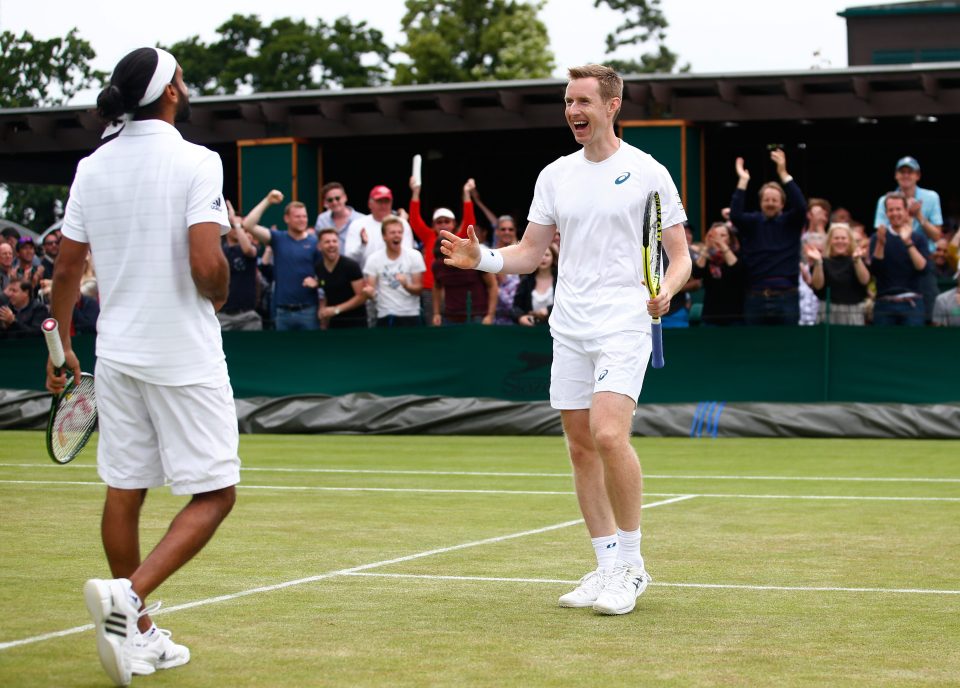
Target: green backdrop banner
{"type": "Point", "coordinates": [790, 364]}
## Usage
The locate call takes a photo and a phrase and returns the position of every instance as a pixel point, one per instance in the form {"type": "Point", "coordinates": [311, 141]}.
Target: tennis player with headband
{"type": "Point", "coordinates": [149, 206]}
{"type": "Point", "coordinates": [601, 329]}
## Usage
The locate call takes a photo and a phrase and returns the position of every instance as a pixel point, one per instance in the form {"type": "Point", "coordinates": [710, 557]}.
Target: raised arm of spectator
{"type": "Point", "coordinates": [417, 224]}
{"type": "Point", "coordinates": [796, 206]}
{"type": "Point", "coordinates": [817, 278]}
{"type": "Point", "coordinates": [737, 214]}
{"type": "Point", "coordinates": [251, 222]}
{"type": "Point", "coordinates": [860, 266]}
{"type": "Point", "coordinates": [879, 249]}
{"type": "Point", "coordinates": [469, 215]}
{"type": "Point", "coordinates": [487, 213]}
{"type": "Point", "coordinates": [243, 238]}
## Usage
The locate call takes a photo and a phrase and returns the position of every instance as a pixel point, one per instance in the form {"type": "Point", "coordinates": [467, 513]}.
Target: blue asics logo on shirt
{"type": "Point", "coordinates": [603, 374]}
{"type": "Point", "coordinates": [622, 178]}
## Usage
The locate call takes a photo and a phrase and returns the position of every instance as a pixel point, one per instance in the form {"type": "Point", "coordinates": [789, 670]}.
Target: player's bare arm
{"type": "Point", "coordinates": [519, 259]}
{"type": "Point", "coordinates": [678, 270]}
{"type": "Point", "coordinates": [208, 265]}
{"type": "Point", "coordinates": [66, 289]}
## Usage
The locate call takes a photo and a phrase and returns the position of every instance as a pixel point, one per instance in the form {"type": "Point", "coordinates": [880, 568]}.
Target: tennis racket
{"type": "Point", "coordinates": [73, 412]}
{"type": "Point", "coordinates": [652, 258]}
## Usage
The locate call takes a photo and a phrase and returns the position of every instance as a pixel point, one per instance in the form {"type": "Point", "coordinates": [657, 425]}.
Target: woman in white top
{"type": "Point", "coordinates": [534, 299]}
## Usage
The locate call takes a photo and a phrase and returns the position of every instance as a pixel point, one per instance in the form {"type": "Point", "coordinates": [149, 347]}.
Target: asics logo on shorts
{"type": "Point", "coordinates": [622, 178]}
{"type": "Point", "coordinates": [603, 374]}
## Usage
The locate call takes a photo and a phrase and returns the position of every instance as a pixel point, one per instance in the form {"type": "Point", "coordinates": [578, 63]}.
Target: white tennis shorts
{"type": "Point", "coordinates": [583, 367]}
{"type": "Point", "coordinates": [153, 435]}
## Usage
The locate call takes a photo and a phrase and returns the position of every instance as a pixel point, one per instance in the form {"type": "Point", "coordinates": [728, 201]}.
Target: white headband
{"type": "Point", "coordinates": [163, 74]}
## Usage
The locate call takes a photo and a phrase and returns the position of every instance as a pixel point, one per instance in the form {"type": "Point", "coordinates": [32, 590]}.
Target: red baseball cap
{"type": "Point", "coordinates": [381, 192]}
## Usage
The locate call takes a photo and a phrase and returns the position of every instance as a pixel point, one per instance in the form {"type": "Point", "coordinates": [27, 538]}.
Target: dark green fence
{"type": "Point", "coordinates": [801, 364]}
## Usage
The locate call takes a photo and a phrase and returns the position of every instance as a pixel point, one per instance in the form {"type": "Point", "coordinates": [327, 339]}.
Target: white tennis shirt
{"type": "Point", "coordinates": [133, 200]}
{"type": "Point", "coordinates": [598, 208]}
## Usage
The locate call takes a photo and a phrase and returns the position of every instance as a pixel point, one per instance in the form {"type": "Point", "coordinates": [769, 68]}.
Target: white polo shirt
{"type": "Point", "coordinates": [598, 208]}
{"type": "Point", "coordinates": [133, 200]}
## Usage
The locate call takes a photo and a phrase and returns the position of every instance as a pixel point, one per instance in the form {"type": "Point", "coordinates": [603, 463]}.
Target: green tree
{"type": "Point", "coordinates": [473, 40]}
{"type": "Point", "coordinates": [645, 23]}
{"type": "Point", "coordinates": [34, 205]}
{"type": "Point", "coordinates": [35, 73]}
{"type": "Point", "coordinates": [286, 55]}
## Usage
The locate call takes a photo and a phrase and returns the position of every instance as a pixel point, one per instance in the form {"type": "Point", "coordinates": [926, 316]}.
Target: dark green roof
{"type": "Point", "coordinates": [903, 8]}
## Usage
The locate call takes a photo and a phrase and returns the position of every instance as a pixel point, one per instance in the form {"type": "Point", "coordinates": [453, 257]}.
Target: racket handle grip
{"type": "Point", "coordinates": [51, 333]}
{"type": "Point", "coordinates": [656, 332]}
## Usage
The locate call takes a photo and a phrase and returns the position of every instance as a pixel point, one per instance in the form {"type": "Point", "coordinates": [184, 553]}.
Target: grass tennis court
{"type": "Point", "coordinates": [437, 561]}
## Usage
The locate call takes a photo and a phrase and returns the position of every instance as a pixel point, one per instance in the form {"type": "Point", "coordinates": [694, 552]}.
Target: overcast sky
{"type": "Point", "coordinates": [730, 36]}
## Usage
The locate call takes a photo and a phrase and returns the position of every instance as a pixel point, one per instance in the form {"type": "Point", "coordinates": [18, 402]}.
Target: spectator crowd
{"type": "Point", "coordinates": [792, 260]}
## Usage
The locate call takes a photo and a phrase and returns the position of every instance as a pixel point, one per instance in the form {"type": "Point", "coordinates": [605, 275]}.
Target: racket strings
{"type": "Point", "coordinates": [75, 420]}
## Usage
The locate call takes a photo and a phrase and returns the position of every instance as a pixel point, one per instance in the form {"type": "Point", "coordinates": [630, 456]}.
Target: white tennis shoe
{"type": "Point", "coordinates": [157, 652]}
{"type": "Point", "coordinates": [624, 585]}
{"type": "Point", "coordinates": [115, 622]}
{"type": "Point", "coordinates": [586, 592]}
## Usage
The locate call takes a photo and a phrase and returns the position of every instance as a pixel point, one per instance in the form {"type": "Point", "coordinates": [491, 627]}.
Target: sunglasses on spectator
{"type": "Point", "coordinates": [50, 242]}
{"type": "Point", "coordinates": [333, 199]}
{"type": "Point", "coordinates": [507, 229]}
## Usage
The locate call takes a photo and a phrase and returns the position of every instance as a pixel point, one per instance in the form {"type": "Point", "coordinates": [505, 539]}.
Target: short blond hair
{"type": "Point", "coordinates": [389, 220]}
{"type": "Point", "coordinates": [611, 83]}
{"type": "Point", "coordinates": [293, 205]}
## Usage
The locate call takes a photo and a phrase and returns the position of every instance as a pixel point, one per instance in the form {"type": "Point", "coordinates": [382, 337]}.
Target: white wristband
{"type": "Point", "coordinates": [491, 260]}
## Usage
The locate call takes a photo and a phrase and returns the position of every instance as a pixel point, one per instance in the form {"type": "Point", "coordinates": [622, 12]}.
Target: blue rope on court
{"type": "Point", "coordinates": [706, 419]}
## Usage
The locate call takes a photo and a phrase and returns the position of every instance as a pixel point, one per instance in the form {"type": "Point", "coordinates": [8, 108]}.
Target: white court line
{"type": "Point", "coordinates": [427, 490]}
{"type": "Point", "coordinates": [707, 586]}
{"type": "Point", "coordinates": [496, 474]}
{"type": "Point", "coordinates": [332, 574]}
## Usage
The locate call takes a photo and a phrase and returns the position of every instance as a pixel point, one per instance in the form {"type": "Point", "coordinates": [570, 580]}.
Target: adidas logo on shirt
{"type": "Point", "coordinates": [216, 204]}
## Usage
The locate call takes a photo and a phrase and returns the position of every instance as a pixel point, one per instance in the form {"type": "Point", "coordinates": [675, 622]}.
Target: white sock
{"type": "Point", "coordinates": [606, 550]}
{"type": "Point", "coordinates": [150, 632]}
{"type": "Point", "coordinates": [629, 547]}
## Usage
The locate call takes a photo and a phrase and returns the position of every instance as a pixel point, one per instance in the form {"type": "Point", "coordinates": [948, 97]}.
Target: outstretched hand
{"type": "Point", "coordinates": [460, 252]}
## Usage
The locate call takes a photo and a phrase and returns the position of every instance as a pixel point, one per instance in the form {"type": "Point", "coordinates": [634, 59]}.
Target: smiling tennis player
{"type": "Point", "coordinates": [149, 206]}
{"type": "Point", "coordinates": [601, 330]}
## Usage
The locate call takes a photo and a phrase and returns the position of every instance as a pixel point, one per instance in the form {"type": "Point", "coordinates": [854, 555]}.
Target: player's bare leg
{"type": "Point", "coordinates": [611, 418]}
{"type": "Point", "coordinates": [588, 476]}
{"type": "Point", "coordinates": [588, 473]}
{"type": "Point", "coordinates": [190, 530]}
{"type": "Point", "coordinates": [120, 531]}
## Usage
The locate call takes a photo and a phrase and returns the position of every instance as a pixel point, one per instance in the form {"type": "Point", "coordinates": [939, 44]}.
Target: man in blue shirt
{"type": "Point", "coordinates": [770, 245]}
{"type": "Point", "coordinates": [899, 258]}
{"type": "Point", "coordinates": [294, 253]}
{"type": "Point", "coordinates": [923, 205]}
